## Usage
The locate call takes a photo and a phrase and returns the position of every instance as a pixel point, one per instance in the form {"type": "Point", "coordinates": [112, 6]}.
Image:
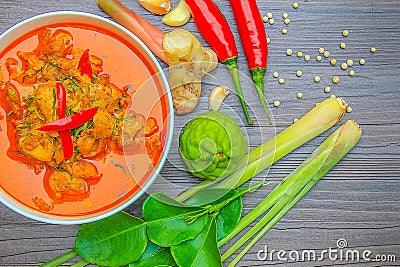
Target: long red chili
{"type": "Point", "coordinates": [254, 41]}
{"type": "Point", "coordinates": [66, 140]}
{"type": "Point", "coordinates": [216, 31]}
{"type": "Point", "coordinates": [70, 122]}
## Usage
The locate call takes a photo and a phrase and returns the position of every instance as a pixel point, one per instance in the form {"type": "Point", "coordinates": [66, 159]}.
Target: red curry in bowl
{"type": "Point", "coordinates": [89, 173]}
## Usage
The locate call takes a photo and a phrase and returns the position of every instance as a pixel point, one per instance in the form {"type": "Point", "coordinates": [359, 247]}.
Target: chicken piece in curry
{"type": "Point", "coordinates": [112, 129]}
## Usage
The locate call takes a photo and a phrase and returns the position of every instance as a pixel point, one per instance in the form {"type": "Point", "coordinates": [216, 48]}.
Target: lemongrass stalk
{"type": "Point", "coordinates": [275, 198]}
{"type": "Point", "coordinates": [319, 119]}
{"type": "Point", "coordinates": [281, 195]}
{"type": "Point", "coordinates": [80, 264]}
{"type": "Point", "coordinates": [293, 182]}
{"type": "Point", "coordinates": [268, 217]}
{"type": "Point", "coordinates": [60, 259]}
{"type": "Point", "coordinates": [300, 181]}
{"type": "Point", "coordinates": [272, 222]}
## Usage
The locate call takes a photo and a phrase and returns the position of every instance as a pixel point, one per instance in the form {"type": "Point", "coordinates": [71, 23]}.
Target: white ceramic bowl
{"type": "Point", "coordinates": [82, 213]}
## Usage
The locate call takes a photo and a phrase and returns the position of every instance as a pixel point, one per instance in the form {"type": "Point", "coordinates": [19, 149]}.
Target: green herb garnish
{"type": "Point", "coordinates": [26, 126]}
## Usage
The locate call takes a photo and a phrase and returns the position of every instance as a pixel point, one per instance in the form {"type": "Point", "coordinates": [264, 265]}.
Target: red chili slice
{"type": "Point", "coordinates": [66, 140]}
{"type": "Point", "coordinates": [61, 96]}
{"type": "Point", "coordinates": [84, 65]}
{"type": "Point", "coordinates": [70, 122]}
{"type": "Point", "coordinates": [68, 146]}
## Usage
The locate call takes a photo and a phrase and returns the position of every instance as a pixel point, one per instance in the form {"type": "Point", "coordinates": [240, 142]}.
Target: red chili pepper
{"type": "Point", "coordinates": [216, 31]}
{"type": "Point", "coordinates": [254, 40]}
{"type": "Point", "coordinates": [84, 65]}
{"type": "Point", "coordinates": [71, 122]}
{"type": "Point", "coordinates": [66, 140]}
{"type": "Point", "coordinates": [68, 146]}
{"type": "Point", "coordinates": [61, 96]}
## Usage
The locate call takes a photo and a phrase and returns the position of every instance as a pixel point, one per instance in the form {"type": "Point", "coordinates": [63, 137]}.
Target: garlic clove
{"type": "Point", "coordinates": [158, 7]}
{"type": "Point", "coordinates": [178, 16]}
{"type": "Point", "coordinates": [217, 96]}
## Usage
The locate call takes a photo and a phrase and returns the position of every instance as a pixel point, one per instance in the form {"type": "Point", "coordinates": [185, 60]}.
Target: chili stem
{"type": "Point", "coordinates": [257, 75]}
{"type": "Point", "coordinates": [231, 64]}
{"type": "Point", "coordinates": [60, 259]}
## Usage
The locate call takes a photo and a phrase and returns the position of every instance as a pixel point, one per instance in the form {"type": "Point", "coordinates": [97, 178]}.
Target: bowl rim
{"type": "Point", "coordinates": [56, 219]}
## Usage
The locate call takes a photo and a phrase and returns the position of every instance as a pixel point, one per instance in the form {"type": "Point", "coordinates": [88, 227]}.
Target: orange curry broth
{"type": "Point", "coordinates": [127, 67]}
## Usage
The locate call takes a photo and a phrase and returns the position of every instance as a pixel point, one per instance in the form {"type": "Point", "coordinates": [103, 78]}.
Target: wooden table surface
{"type": "Point", "coordinates": [357, 201]}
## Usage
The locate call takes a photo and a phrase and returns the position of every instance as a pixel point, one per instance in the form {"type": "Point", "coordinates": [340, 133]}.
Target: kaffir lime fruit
{"type": "Point", "coordinates": [212, 145]}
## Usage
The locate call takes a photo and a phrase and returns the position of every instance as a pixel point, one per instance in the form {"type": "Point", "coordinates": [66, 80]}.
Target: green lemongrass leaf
{"type": "Point", "coordinates": [155, 256]}
{"type": "Point", "coordinates": [229, 216]}
{"type": "Point", "coordinates": [69, 255]}
{"type": "Point", "coordinates": [166, 219]}
{"type": "Point", "coordinates": [114, 241]}
{"type": "Point", "coordinates": [80, 264]}
{"type": "Point", "coordinates": [201, 251]}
